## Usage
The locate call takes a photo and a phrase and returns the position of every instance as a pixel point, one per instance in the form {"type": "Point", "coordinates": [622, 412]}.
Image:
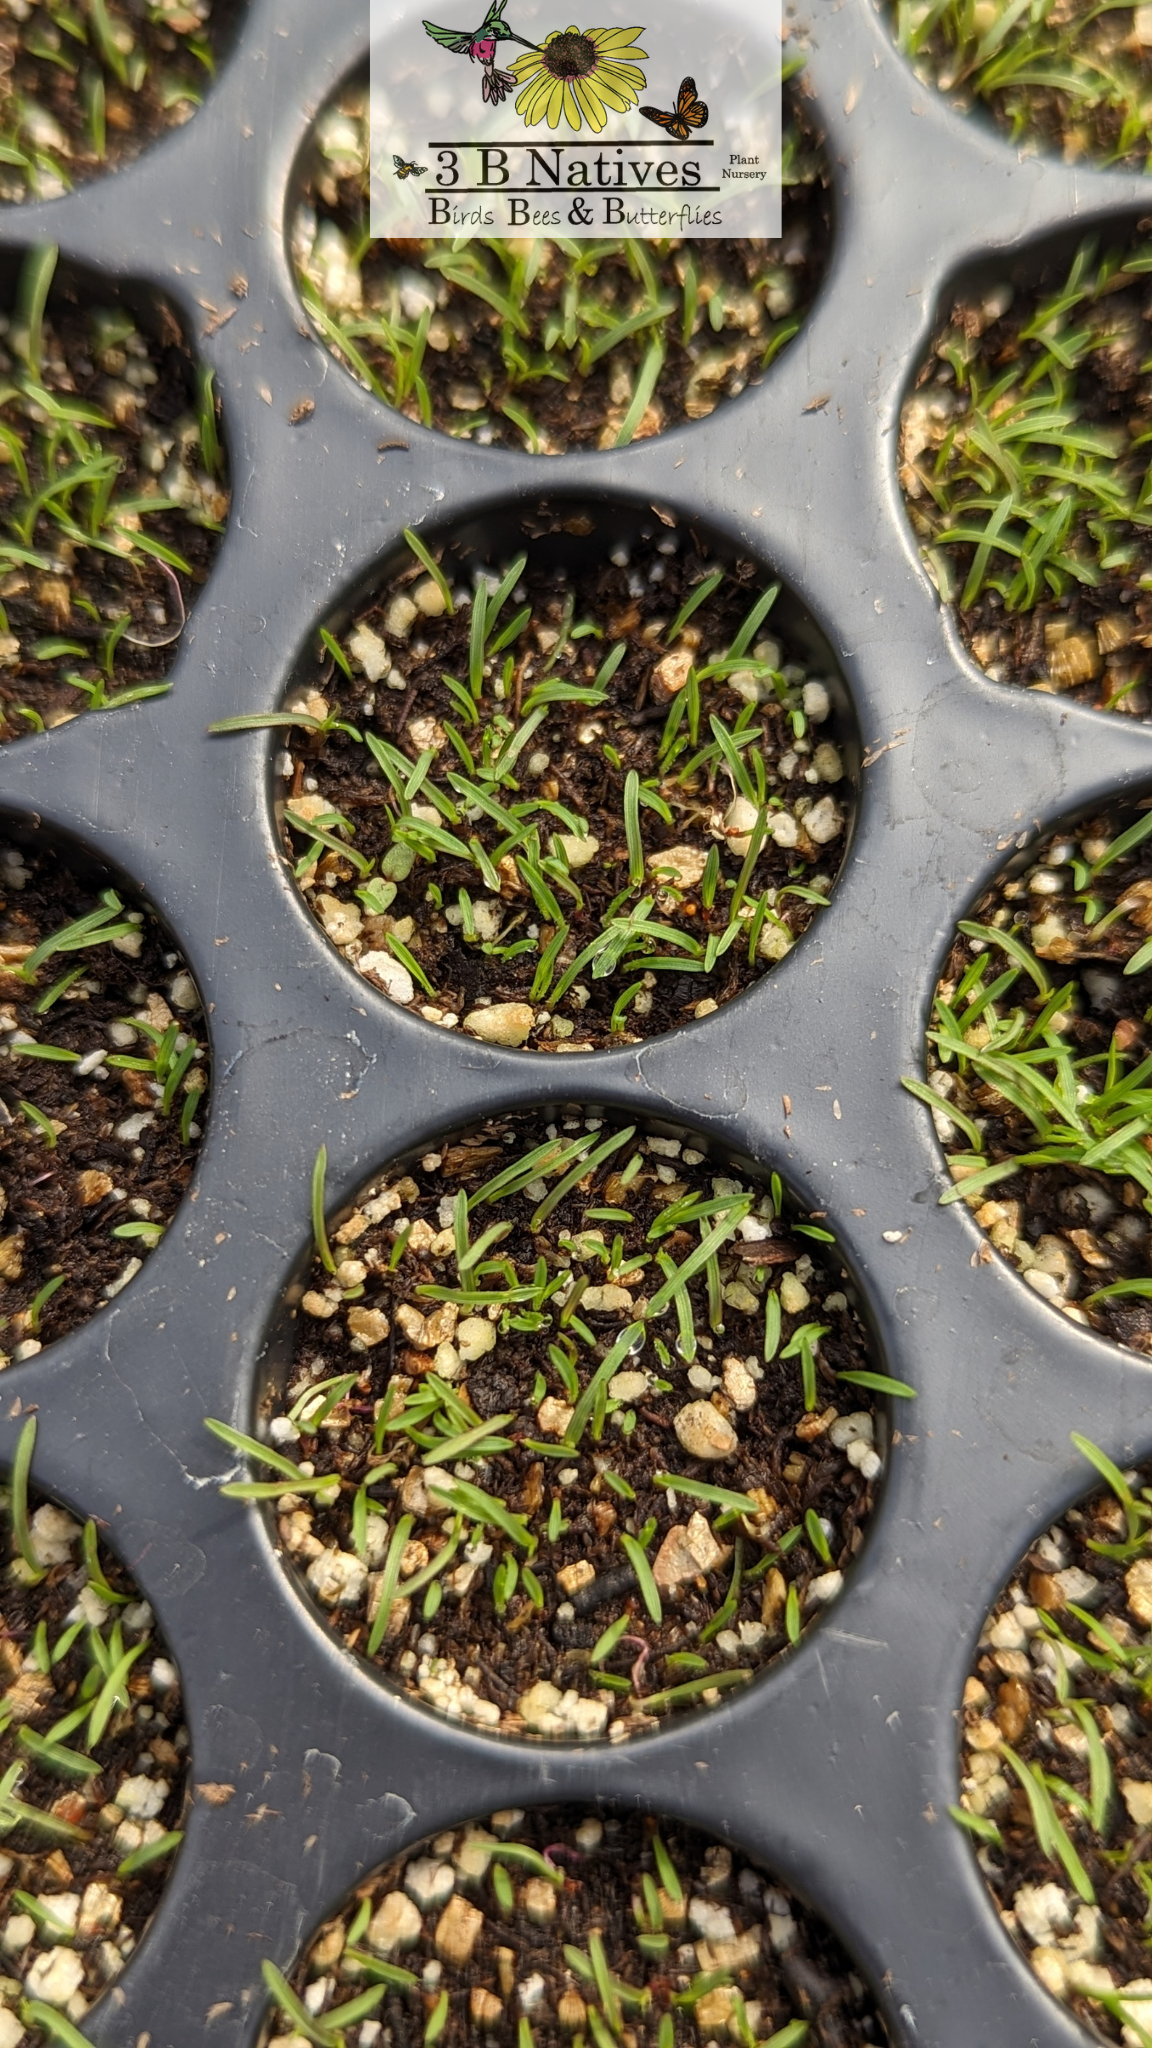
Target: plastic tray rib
{"type": "Point", "coordinates": [838, 1765]}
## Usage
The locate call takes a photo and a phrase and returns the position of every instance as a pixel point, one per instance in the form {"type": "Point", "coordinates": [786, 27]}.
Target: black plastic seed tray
{"type": "Point", "coordinates": [838, 1766]}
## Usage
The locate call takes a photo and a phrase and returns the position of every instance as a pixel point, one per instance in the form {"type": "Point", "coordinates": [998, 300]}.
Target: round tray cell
{"type": "Point", "coordinates": [113, 491]}
{"type": "Point", "coordinates": [567, 1925]}
{"type": "Point", "coordinates": [93, 1765]}
{"type": "Point", "coordinates": [1056, 1757]}
{"type": "Point", "coordinates": [571, 779]}
{"type": "Point", "coordinates": [84, 90]}
{"type": "Point", "coordinates": [1071, 80]}
{"type": "Point", "coordinates": [1038, 1068]}
{"type": "Point", "coordinates": [584, 1421]}
{"type": "Point", "coordinates": [1024, 462]}
{"type": "Point", "coordinates": [505, 343]}
{"type": "Point", "coordinates": [103, 1079]}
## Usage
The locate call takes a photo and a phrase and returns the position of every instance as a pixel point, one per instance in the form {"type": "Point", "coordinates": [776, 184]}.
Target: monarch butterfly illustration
{"type": "Point", "coordinates": [404, 170]}
{"type": "Point", "coordinates": [690, 112]}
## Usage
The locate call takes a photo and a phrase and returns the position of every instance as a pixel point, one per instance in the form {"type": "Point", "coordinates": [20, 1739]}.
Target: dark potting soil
{"type": "Point", "coordinates": [85, 91]}
{"type": "Point", "coordinates": [131, 430]}
{"type": "Point", "coordinates": [1071, 1229]}
{"type": "Point", "coordinates": [115, 1159]}
{"type": "Point", "coordinates": [573, 768]}
{"type": "Point", "coordinates": [509, 1581]}
{"type": "Point", "coordinates": [1069, 1602]}
{"type": "Point", "coordinates": [1058, 438]}
{"type": "Point", "coordinates": [69, 1861]}
{"type": "Point", "coordinates": [748, 300]}
{"type": "Point", "coordinates": [504, 1918]}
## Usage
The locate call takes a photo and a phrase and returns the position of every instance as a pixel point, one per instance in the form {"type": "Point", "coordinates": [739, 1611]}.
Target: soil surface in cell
{"type": "Point", "coordinates": [1073, 79]}
{"type": "Point", "coordinates": [564, 814]}
{"type": "Point", "coordinates": [1056, 1764]}
{"type": "Point", "coordinates": [83, 91]}
{"type": "Point", "coordinates": [562, 1924]}
{"type": "Point", "coordinates": [112, 503]}
{"type": "Point", "coordinates": [1025, 469]}
{"type": "Point", "coordinates": [1039, 1050]}
{"type": "Point", "coordinates": [578, 1446]}
{"type": "Point", "coordinates": [94, 1763]}
{"type": "Point", "coordinates": [102, 1085]}
{"type": "Point", "coordinates": [514, 344]}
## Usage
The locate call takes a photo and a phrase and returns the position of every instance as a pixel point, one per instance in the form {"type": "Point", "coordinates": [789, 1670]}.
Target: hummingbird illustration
{"type": "Point", "coordinates": [480, 45]}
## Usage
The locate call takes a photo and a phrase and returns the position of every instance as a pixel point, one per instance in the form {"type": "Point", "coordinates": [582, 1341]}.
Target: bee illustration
{"type": "Point", "coordinates": [404, 170]}
{"type": "Point", "coordinates": [690, 112]}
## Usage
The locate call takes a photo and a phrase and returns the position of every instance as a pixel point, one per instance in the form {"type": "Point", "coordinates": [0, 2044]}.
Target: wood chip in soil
{"type": "Point", "coordinates": [1045, 447]}
{"type": "Point", "coordinates": [479, 864]}
{"type": "Point", "coordinates": [545, 1578]}
{"type": "Point", "coordinates": [92, 1165]}
{"type": "Point", "coordinates": [1071, 79]}
{"type": "Point", "coordinates": [545, 380]}
{"type": "Point", "coordinates": [84, 91]}
{"type": "Point", "coordinates": [1058, 1695]}
{"type": "Point", "coordinates": [111, 508]}
{"type": "Point", "coordinates": [1082, 914]}
{"type": "Point", "coordinates": [73, 1906]}
{"type": "Point", "coordinates": [561, 1924]}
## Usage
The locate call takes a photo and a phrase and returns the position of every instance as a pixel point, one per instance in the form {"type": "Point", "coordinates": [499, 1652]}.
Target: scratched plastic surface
{"type": "Point", "coordinates": [838, 1766]}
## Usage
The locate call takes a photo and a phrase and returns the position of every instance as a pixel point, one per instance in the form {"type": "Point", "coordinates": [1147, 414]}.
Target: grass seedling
{"type": "Point", "coordinates": [1125, 1667]}
{"type": "Point", "coordinates": [43, 1123]}
{"type": "Point", "coordinates": [683, 1695]}
{"type": "Point", "coordinates": [1036, 70]}
{"type": "Point", "coordinates": [649, 1591]}
{"type": "Point", "coordinates": [66, 496]}
{"type": "Point", "coordinates": [54, 1757]}
{"type": "Point", "coordinates": [701, 1984]}
{"type": "Point", "coordinates": [54, 2025]}
{"type": "Point", "coordinates": [1026, 497]}
{"type": "Point", "coordinates": [40, 1300]}
{"type": "Point", "coordinates": [34, 1571]}
{"type": "Point", "coordinates": [101, 1694]}
{"type": "Point", "coordinates": [667, 1872]}
{"type": "Point", "coordinates": [699, 1489]}
{"type": "Point", "coordinates": [816, 1537]}
{"type": "Point", "coordinates": [325, 1487]}
{"type": "Point", "coordinates": [1091, 1111]}
{"type": "Point", "coordinates": [152, 1852]}
{"type": "Point", "coordinates": [530, 1859]}
{"type": "Point", "coordinates": [976, 1824]}
{"type": "Point", "coordinates": [605, 1644]}
{"type": "Point", "coordinates": [319, 1228]}
{"type": "Point", "coordinates": [598, 1384]}
{"type": "Point", "coordinates": [17, 1813]}
{"type": "Point", "coordinates": [96, 1577]}
{"type": "Point", "coordinates": [803, 1344]}
{"type": "Point", "coordinates": [329, 2031]}
{"type": "Point", "coordinates": [1051, 1834]}
{"type": "Point", "coordinates": [389, 1581]}
{"type": "Point", "coordinates": [98, 928]}
{"type": "Point", "coordinates": [1137, 1513]}
{"type": "Point", "coordinates": [879, 1383]}
{"type": "Point", "coordinates": [370, 1966]}
{"type": "Point", "coordinates": [792, 1616]}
